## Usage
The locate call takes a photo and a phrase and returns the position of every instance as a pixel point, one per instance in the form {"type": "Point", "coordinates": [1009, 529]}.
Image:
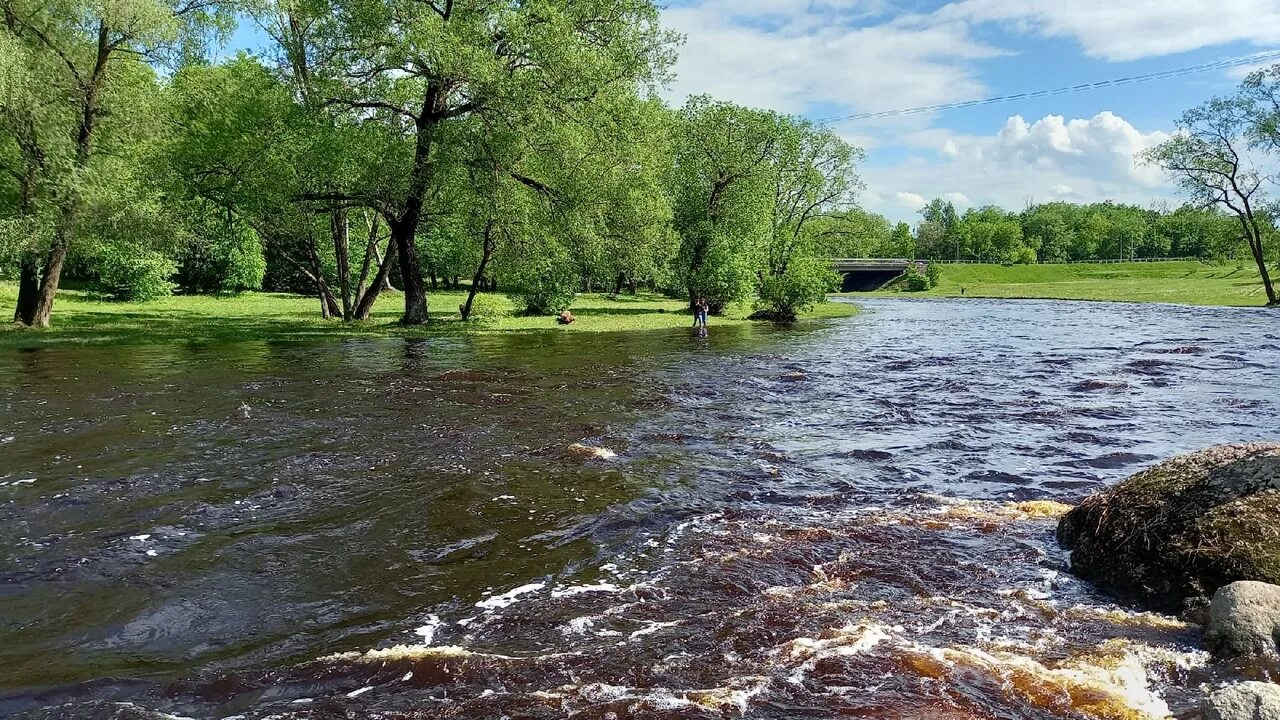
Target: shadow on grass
{"type": "Point", "coordinates": [176, 326]}
{"type": "Point", "coordinates": [583, 312]}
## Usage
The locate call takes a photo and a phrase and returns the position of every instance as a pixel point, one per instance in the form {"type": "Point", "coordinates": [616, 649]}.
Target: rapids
{"type": "Point", "coordinates": [848, 519]}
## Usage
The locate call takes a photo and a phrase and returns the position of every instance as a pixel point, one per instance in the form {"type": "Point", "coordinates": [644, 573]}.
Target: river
{"type": "Point", "coordinates": [853, 518]}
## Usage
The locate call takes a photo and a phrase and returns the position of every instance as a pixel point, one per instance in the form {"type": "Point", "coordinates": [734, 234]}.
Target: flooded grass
{"type": "Point", "coordinates": [83, 318]}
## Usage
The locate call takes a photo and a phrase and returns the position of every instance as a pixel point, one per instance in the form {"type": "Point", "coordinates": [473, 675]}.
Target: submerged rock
{"type": "Point", "coordinates": [1245, 701]}
{"type": "Point", "coordinates": [1244, 619]}
{"type": "Point", "coordinates": [1183, 528]}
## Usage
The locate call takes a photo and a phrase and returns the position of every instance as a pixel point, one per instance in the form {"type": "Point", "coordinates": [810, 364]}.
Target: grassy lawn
{"type": "Point", "coordinates": [1191, 283]}
{"type": "Point", "coordinates": [79, 317]}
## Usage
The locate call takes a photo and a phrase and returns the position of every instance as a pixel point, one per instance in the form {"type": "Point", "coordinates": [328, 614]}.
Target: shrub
{"type": "Point", "coordinates": [487, 306]}
{"type": "Point", "coordinates": [805, 283]}
{"type": "Point", "coordinates": [542, 285]}
{"type": "Point", "coordinates": [912, 280]}
{"type": "Point", "coordinates": [223, 258]}
{"type": "Point", "coordinates": [135, 274]}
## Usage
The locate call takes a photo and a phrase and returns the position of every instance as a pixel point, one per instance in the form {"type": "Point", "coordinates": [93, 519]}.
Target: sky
{"type": "Point", "coordinates": [828, 58]}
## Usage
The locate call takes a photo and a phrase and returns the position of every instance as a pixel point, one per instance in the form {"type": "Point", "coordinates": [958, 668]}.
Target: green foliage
{"type": "Point", "coordinates": [487, 306]}
{"type": "Point", "coordinates": [912, 280]}
{"type": "Point", "coordinates": [543, 284]}
{"type": "Point", "coordinates": [222, 257]}
{"type": "Point", "coordinates": [803, 285]}
{"type": "Point", "coordinates": [933, 273]}
{"type": "Point", "coordinates": [132, 274]}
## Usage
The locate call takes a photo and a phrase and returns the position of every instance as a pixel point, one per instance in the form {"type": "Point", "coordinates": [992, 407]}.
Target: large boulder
{"type": "Point", "coordinates": [1244, 619]}
{"type": "Point", "coordinates": [1244, 701]}
{"type": "Point", "coordinates": [1183, 528]}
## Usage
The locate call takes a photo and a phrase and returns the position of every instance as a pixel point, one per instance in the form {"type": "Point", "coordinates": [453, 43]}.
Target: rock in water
{"type": "Point", "coordinates": [1244, 619]}
{"type": "Point", "coordinates": [1245, 701]}
{"type": "Point", "coordinates": [1183, 528]}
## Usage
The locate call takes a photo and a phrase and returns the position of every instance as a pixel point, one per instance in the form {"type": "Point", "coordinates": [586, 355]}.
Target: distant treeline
{"type": "Point", "coordinates": [1048, 232]}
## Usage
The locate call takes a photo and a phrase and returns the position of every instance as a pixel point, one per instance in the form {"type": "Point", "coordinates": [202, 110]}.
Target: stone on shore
{"type": "Point", "coordinates": [1180, 530]}
{"type": "Point", "coordinates": [1244, 701]}
{"type": "Point", "coordinates": [1244, 619]}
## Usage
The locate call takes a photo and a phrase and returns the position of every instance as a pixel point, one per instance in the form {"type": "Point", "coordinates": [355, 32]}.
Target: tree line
{"type": "Point", "coordinates": [394, 144]}
{"type": "Point", "coordinates": [1047, 232]}
{"type": "Point", "coordinates": [414, 145]}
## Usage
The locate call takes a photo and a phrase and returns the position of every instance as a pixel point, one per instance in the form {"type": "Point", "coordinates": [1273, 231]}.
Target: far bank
{"type": "Point", "coordinates": [1184, 282]}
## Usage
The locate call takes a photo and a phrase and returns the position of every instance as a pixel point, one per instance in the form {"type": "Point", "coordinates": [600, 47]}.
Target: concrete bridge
{"type": "Point", "coordinates": [866, 274]}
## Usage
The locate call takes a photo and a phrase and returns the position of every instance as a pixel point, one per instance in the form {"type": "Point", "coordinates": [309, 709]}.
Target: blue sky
{"type": "Point", "coordinates": [824, 58]}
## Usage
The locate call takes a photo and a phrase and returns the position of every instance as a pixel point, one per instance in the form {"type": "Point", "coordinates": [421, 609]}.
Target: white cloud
{"type": "Point", "coordinates": [1083, 160]}
{"type": "Point", "coordinates": [795, 56]}
{"type": "Point", "coordinates": [1131, 29]}
{"type": "Point", "coordinates": [910, 200]}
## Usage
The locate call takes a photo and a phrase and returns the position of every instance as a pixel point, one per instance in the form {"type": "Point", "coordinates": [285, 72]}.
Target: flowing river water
{"type": "Point", "coordinates": [849, 519]}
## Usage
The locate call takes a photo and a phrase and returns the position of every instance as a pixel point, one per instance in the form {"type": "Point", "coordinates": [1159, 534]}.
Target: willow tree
{"type": "Point", "coordinates": [723, 195]}
{"type": "Point", "coordinates": [84, 60]}
{"type": "Point", "coordinates": [1209, 158]}
{"type": "Point", "coordinates": [406, 70]}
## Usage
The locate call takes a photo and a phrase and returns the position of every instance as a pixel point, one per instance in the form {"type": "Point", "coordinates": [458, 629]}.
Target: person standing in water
{"type": "Point", "coordinates": [700, 310]}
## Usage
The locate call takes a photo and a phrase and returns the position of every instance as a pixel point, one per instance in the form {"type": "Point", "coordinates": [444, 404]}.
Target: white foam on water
{"type": "Point", "coordinates": [428, 631]}
{"type": "Point", "coordinates": [504, 497]}
{"type": "Point", "coordinates": [509, 598]}
{"type": "Point", "coordinates": [604, 587]}
{"type": "Point", "coordinates": [140, 538]}
{"type": "Point", "coordinates": [652, 627]}
{"type": "Point", "coordinates": [361, 691]}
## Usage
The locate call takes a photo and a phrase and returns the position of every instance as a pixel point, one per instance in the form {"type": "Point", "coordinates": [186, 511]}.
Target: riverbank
{"type": "Point", "coordinates": [82, 318]}
{"type": "Point", "coordinates": [1190, 283]}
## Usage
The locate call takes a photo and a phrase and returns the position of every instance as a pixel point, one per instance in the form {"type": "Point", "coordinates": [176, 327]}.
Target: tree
{"type": "Point", "coordinates": [407, 71]}
{"type": "Point", "coordinates": [724, 196]}
{"type": "Point", "coordinates": [1208, 157]}
{"type": "Point", "coordinates": [83, 60]}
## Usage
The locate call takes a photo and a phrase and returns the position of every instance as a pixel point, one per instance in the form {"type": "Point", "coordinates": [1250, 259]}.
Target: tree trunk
{"type": "Point", "coordinates": [52, 274]}
{"type": "Point", "coordinates": [415, 294]}
{"type": "Point", "coordinates": [478, 279]}
{"type": "Point", "coordinates": [388, 261]}
{"type": "Point", "coordinates": [365, 306]}
{"type": "Point", "coordinates": [342, 252]}
{"type": "Point", "coordinates": [28, 293]}
{"type": "Point", "coordinates": [1259, 257]}
{"type": "Point", "coordinates": [1253, 236]}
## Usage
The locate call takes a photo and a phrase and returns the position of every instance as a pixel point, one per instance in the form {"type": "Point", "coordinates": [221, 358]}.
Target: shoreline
{"type": "Point", "coordinates": [82, 319]}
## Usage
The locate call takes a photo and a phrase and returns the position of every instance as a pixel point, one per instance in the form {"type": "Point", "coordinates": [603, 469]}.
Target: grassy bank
{"type": "Point", "coordinates": [82, 318]}
{"type": "Point", "coordinates": [1190, 283]}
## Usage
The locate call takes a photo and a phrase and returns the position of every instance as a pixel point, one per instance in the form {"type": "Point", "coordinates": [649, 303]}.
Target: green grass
{"type": "Point", "coordinates": [1190, 283]}
{"type": "Point", "coordinates": [80, 317]}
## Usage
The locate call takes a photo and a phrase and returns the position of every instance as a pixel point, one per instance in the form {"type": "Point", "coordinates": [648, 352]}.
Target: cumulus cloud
{"type": "Point", "coordinates": [909, 200]}
{"type": "Point", "coordinates": [798, 57]}
{"type": "Point", "coordinates": [1082, 160]}
{"type": "Point", "coordinates": [1131, 29]}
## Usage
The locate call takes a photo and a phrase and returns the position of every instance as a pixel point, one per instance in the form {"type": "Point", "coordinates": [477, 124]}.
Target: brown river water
{"type": "Point", "coordinates": [849, 519]}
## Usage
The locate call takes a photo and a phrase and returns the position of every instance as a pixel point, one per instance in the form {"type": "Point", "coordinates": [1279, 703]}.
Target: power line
{"type": "Point", "coordinates": [1219, 65]}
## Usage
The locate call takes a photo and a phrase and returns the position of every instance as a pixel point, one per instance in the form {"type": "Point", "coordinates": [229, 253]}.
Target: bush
{"type": "Point", "coordinates": [805, 283]}
{"type": "Point", "coordinates": [223, 258]}
{"type": "Point", "coordinates": [135, 274]}
{"type": "Point", "coordinates": [542, 285]}
{"type": "Point", "coordinates": [912, 280]}
{"type": "Point", "coordinates": [487, 306]}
